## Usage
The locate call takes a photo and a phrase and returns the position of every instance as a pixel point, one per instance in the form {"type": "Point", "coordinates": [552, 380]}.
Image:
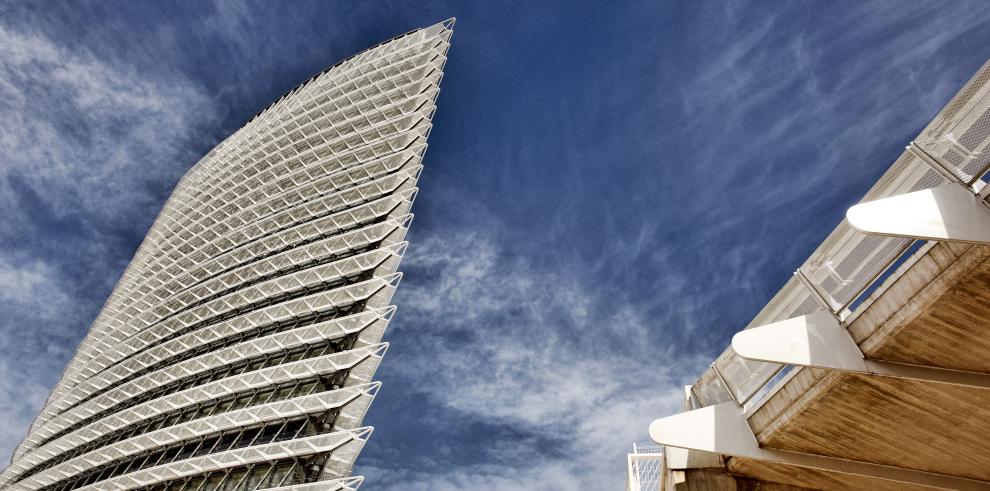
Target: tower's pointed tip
{"type": "Point", "coordinates": [449, 23]}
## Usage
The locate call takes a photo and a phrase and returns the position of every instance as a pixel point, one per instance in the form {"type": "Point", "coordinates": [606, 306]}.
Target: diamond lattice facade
{"type": "Point", "coordinates": [238, 349]}
{"type": "Point", "coordinates": [643, 468]}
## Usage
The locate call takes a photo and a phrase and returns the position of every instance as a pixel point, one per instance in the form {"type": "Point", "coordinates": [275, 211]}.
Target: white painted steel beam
{"type": "Point", "coordinates": [683, 459]}
{"type": "Point", "coordinates": [818, 340]}
{"type": "Point", "coordinates": [266, 278]}
{"type": "Point", "coordinates": [950, 212]}
{"type": "Point", "coordinates": [723, 429]}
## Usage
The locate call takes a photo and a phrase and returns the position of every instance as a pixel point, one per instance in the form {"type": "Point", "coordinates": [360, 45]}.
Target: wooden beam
{"type": "Point", "coordinates": [723, 429]}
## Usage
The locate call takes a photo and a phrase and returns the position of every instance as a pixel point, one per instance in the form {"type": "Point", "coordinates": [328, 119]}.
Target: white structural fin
{"type": "Point", "coordinates": [721, 429]}
{"type": "Point", "coordinates": [816, 340]}
{"type": "Point", "coordinates": [950, 212]}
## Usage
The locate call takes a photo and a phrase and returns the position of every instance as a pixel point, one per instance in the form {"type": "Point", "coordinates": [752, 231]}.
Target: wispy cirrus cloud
{"type": "Point", "coordinates": [788, 115]}
{"type": "Point", "coordinates": [768, 120]}
{"type": "Point", "coordinates": [75, 128]}
{"type": "Point", "coordinates": [536, 350]}
{"type": "Point", "coordinates": [651, 175]}
{"type": "Point", "coordinates": [76, 124]}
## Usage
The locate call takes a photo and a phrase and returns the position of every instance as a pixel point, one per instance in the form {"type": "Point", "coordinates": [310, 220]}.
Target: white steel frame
{"type": "Point", "coordinates": [932, 192]}
{"type": "Point", "coordinates": [938, 176]}
{"type": "Point", "coordinates": [285, 238]}
{"type": "Point", "coordinates": [644, 468]}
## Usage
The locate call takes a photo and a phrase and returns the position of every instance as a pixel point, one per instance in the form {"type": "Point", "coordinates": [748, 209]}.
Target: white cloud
{"type": "Point", "coordinates": [549, 353]}
{"type": "Point", "coordinates": [95, 142]}
{"type": "Point", "coordinates": [88, 147]}
{"type": "Point", "coordinates": [32, 287]}
{"type": "Point", "coordinates": [21, 396]}
{"type": "Point", "coordinates": [29, 290]}
{"type": "Point", "coordinates": [90, 135]}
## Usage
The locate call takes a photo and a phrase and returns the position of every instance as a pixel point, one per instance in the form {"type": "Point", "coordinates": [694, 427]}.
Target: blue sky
{"type": "Point", "coordinates": [611, 191]}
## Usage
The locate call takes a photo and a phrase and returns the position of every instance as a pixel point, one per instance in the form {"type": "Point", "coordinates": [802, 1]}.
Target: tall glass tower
{"type": "Point", "coordinates": [239, 348]}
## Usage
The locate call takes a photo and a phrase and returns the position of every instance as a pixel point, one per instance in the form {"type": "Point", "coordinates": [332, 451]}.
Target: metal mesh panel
{"type": "Point", "coordinates": [839, 270]}
{"type": "Point", "coordinates": [744, 378]}
{"type": "Point", "coordinates": [645, 468]}
{"type": "Point", "coordinates": [848, 261]}
{"type": "Point", "coordinates": [268, 422]}
{"type": "Point", "coordinates": [959, 135]}
{"type": "Point", "coordinates": [265, 277]}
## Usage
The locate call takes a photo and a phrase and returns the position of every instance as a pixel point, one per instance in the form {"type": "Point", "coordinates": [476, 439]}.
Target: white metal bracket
{"type": "Point", "coordinates": [818, 340]}
{"type": "Point", "coordinates": [723, 429]}
{"type": "Point", "coordinates": [950, 212]}
{"type": "Point", "coordinates": [680, 459]}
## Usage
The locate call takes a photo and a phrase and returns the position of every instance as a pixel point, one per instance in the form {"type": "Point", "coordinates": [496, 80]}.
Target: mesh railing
{"type": "Point", "coordinates": [955, 147]}
{"type": "Point", "coordinates": [644, 467]}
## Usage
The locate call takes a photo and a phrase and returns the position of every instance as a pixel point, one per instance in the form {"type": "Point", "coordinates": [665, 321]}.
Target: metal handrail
{"type": "Point", "coordinates": [954, 147]}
